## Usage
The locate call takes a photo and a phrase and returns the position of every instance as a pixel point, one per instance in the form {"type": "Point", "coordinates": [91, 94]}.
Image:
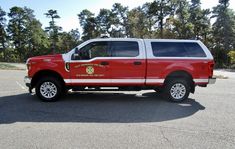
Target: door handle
{"type": "Point", "coordinates": [104, 63]}
{"type": "Point", "coordinates": [137, 63]}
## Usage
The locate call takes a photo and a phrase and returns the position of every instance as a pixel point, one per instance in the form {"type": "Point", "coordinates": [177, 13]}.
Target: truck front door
{"type": "Point", "coordinates": [90, 65]}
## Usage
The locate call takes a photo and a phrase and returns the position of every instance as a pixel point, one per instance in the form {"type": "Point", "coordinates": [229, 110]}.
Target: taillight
{"type": "Point", "coordinates": [211, 67]}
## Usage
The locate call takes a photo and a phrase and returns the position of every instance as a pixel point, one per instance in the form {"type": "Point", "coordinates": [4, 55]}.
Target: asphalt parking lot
{"type": "Point", "coordinates": [116, 119]}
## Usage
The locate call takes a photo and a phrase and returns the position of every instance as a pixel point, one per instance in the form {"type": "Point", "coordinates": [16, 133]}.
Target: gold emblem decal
{"type": "Point", "coordinates": [90, 70]}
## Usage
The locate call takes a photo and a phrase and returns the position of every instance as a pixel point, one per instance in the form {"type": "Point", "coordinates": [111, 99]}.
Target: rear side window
{"type": "Point", "coordinates": [168, 49]}
{"type": "Point", "coordinates": [124, 48]}
{"type": "Point", "coordinates": [194, 50]}
{"type": "Point", "coordinates": [177, 49]}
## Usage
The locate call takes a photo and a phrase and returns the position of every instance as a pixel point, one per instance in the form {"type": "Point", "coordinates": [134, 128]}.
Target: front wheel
{"type": "Point", "coordinates": [48, 89]}
{"type": "Point", "coordinates": [177, 90]}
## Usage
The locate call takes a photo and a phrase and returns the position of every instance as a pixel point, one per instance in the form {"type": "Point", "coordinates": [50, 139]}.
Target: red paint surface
{"type": "Point", "coordinates": [160, 68]}
{"type": "Point", "coordinates": [122, 69]}
{"type": "Point", "coordinates": [48, 62]}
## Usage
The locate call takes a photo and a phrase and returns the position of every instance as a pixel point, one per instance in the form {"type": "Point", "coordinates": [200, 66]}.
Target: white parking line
{"type": "Point", "coordinates": [21, 86]}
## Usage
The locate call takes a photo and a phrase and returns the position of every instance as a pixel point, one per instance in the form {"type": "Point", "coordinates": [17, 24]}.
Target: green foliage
{"type": "Point", "coordinates": [160, 9]}
{"type": "Point", "coordinates": [17, 29]}
{"type": "Point", "coordinates": [88, 23]}
{"type": "Point", "coordinates": [68, 41]}
{"type": "Point", "coordinates": [38, 38]}
{"type": "Point", "coordinates": [232, 66]}
{"type": "Point", "coordinates": [3, 35]}
{"type": "Point", "coordinates": [183, 26]}
{"type": "Point", "coordinates": [231, 55]}
{"type": "Point", "coordinates": [223, 29]}
{"type": "Point", "coordinates": [23, 36]}
{"type": "Point", "coordinates": [137, 23]}
{"type": "Point", "coordinates": [220, 57]}
{"type": "Point", "coordinates": [119, 21]}
{"type": "Point", "coordinates": [10, 55]}
{"type": "Point", "coordinates": [181, 19]}
{"type": "Point", "coordinates": [53, 29]}
{"type": "Point", "coordinates": [104, 21]}
{"type": "Point", "coordinates": [200, 20]}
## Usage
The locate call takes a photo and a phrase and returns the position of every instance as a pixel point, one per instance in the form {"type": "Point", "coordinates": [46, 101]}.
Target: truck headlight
{"type": "Point", "coordinates": [28, 64]}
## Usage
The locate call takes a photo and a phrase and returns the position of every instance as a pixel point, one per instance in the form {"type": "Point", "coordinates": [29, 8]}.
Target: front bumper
{"type": "Point", "coordinates": [27, 81]}
{"type": "Point", "coordinates": [212, 80]}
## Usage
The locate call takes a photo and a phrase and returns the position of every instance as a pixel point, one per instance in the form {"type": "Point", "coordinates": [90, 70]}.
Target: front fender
{"type": "Point", "coordinates": [56, 66]}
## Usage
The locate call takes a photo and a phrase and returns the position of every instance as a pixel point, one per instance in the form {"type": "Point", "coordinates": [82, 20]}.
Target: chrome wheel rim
{"type": "Point", "coordinates": [178, 91]}
{"type": "Point", "coordinates": [48, 90]}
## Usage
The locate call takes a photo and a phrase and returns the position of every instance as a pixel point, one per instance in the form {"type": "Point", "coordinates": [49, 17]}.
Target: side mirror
{"type": "Point", "coordinates": [76, 50]}
{"type": "Point", "coordinates": [75, 55]}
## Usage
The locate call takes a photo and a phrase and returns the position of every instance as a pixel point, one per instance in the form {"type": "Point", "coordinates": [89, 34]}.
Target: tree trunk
{"type": "Point", "coordinates": [53, 47]}
{"type": "Point", "coordinates": [161, 28]}
{"type": "Point", "coordinates": [161, 20]}
{"type": "Point", "coordinates": [4, 51]}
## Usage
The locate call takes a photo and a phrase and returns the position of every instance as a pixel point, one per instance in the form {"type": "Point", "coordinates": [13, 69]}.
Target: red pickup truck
{"type": "Point", "coordinates": [171, 67]}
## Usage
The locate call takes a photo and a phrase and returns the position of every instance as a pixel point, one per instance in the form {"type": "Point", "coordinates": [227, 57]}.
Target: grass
{"type": "Point", "coordinates": [220, 77]}
{"type": "Point", "coordinates": [6, 66]}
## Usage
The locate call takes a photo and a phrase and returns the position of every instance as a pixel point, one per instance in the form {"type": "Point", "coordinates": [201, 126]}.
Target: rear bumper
{"type": "Point", "coordinates": [211, 80]}
{"type": "Point", "coordinates": [27, 81]}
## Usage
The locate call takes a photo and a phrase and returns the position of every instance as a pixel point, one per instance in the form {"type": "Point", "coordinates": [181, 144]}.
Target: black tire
{"type": "Point", "coordinates": [55, 91]}
{"type": "Point", "coordinates": [159, 90]}
{"type": "Point", "coordinates": [177, 90]}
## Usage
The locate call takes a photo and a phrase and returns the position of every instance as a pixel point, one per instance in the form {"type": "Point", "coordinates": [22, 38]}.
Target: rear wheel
{"type": "Point", "coordinates": [49, 89]}
{"type": "Point", "coordinates": [177, 90]}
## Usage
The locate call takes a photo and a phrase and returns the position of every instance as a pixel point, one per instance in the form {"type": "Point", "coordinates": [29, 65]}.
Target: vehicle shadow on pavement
{"type": "Point", "coordinates": [95, 108]}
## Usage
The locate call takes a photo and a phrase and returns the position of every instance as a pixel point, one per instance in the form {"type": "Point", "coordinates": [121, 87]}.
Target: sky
{"type": "Point", "coordinates": [68, 9]}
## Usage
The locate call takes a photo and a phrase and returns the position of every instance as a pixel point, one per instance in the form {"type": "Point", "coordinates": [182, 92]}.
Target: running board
{"type": "Point", "coordinates": [106, 89]}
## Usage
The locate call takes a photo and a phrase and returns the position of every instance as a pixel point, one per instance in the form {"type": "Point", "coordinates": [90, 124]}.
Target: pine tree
{"type": "Point", "coordinates": [119, 22]}
{"type": "Point", "coordinates": [53, 29]}
{"type": "Point", "coordinates": [200, 20]}
{"type": "Point", "coordinates": [223, 31]}
{"type": "Point", "coordinates": [18, 31]}
{"type": "Point", "coordinates": [161, 9]}
{"type": "Point", "coordinates": [104, 20]}
{"type": "Point", "coordinates": [88, 24]}
{"type": "Point", "coordinates": [3, 35]}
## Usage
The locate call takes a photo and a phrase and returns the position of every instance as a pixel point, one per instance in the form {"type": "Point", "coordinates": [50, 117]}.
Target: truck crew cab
{"type": "Point", "coordinates": [172, 67]}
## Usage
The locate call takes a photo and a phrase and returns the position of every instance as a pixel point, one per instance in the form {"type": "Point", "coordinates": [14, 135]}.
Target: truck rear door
{"type": "Point", "coordinates": [128, 65]}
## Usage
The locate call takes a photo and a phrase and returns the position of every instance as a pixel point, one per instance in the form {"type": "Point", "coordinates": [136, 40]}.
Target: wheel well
{"type": "Point", "coordinates": [47, 73]}
{"type": "Point", "coordinates": [181, 74]}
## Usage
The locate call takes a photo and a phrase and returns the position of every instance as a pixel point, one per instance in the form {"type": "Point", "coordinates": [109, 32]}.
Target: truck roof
{"type": "Point", "coordinates": [147, 39]}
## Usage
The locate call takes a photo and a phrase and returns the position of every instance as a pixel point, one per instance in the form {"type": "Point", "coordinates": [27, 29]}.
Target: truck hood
{"type": "Point", "coordinates": [46, 58]}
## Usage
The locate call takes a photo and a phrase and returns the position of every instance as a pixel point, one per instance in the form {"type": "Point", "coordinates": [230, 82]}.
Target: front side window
{"type": "Point", "coordinates": [177, 49]}
{"type": "Point", "coordinates": [124, 48]}
{"type": "Point", "coordinates": [94, 49]}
